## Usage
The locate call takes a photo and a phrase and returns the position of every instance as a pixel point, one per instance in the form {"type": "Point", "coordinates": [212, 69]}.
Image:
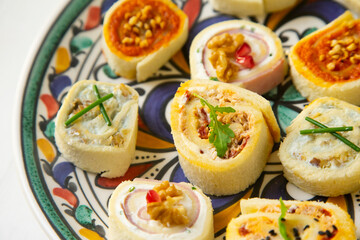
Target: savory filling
{"type": "Point", "coordinates": [93, 123]}
{"type": "Point", "coordinates": [327, 228]}
{"type": "Point", "coordinates": [163, 205]}
{"type": "Point", "coordinates": [139, 27]}
{"type": "Point", "coordinates": [334, 55]}
{"type": "Point", "coordinates": [239, 123]}
{"type": "Point", "coordinates": [325, 162]}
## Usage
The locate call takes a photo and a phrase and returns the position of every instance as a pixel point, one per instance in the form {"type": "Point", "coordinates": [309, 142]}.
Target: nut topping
{"type": "Point", "coordinates": [142, 24]}
{"type": "Point", "coordinates": [168, 211]}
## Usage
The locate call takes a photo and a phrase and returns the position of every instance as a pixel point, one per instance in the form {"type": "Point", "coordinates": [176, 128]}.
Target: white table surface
{"type": "Point", "coordinates": [22, 24]}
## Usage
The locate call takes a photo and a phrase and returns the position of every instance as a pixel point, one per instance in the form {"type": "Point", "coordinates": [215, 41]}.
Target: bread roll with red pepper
{"type": "Point", "coordinates": [239, 52]}
{"type": "Point", "coordinates": [152, 210]}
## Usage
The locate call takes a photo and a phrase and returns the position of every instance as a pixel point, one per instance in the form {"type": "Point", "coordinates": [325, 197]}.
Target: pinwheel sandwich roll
{"type": "Point", "coordinates": [327, 62]}
{"type": "Point", "coordinates": [150, 209]}
{"type": "Point", "coordinates": [231, 169]}
{"type": "Point", "coordinates": [240, 52]}
{"type": "Point", "coordinates": [320, 163]}
{"type": "Point", "coordinates": [306, 220]}
{"type": "Point", "coordinates": [89, 142]}
{"type": "Point", "coordinates": [140, 36]}
{"type": "Point", "coordinates": [241, 8]}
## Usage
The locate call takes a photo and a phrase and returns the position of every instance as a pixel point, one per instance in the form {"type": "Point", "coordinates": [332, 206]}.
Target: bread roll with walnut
{"type": "Point", "coordinates": [150, 209]}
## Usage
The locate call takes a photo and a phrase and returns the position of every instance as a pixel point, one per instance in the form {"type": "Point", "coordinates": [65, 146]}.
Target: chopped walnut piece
{"type": "Point", "coordinates": [224, 47]}
{"type": "Point", "coordinates": [169, 211]}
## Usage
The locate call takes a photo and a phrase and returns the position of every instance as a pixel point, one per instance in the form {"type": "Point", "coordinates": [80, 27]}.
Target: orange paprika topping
{"type": "Point", "coordinates": [334, 54]}
{"type": "Point", "coordinates": [139, 27]}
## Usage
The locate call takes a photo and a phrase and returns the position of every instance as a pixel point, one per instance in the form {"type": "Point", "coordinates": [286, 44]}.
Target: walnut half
{"type": "Point", "coordinates": [169, 211]}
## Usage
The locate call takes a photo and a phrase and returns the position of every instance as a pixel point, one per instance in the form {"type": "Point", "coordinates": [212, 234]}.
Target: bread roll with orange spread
{"type": "Point", "coordinates": [327, 62]}
{"type": "Point", "coordinates": [140, 36]}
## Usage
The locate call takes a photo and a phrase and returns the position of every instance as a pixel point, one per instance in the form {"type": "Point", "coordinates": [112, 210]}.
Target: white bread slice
{"type": "Point", "coordinates": [142, 66]}
{"type": "Point", "coordinates": [278, 5]}
{"type": "Point", "coordinates": [88, 142]}
{"type": "Point", "coordinates": [241, 8]}
{"type": "Point", "coordinates": [311, 220]}
{"type": "Point", "coordinates": [128, 218]}
{"type": "Point", "coordinates": [310, 83]}
{"type": "Point", "coordinates": [321, 164]}
{"type": "Point", "coordinates": [198, 157]}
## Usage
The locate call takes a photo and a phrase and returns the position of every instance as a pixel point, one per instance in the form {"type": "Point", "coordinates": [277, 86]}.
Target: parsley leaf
{"type": "Point", "coordinates": [282, 227]}
{"type": "Point", "coordinates": [220, 134]}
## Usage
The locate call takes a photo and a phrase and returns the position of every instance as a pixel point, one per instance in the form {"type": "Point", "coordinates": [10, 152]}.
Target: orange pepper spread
{"type": "Point", "coordinates": [139, 27]}
{"type": "Point", "coordinates": [334, 54]}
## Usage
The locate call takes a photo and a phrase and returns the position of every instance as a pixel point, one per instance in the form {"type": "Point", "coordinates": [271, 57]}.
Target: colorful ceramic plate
{"type": "Point", "coordinates": [75, 202]}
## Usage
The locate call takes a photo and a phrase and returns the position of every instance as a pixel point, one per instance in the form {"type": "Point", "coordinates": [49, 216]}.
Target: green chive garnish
{"type": "Point", "coordinates": [88, 108]}
{"type": "Point", "coordinates": [131, 189]}
{"type": "Point", "coordinates": [282, 227]}
{"type": "Point", "coordinates": [193, 188]}
{"type": "Point", "coordinates": [326, 130]}
{"type": "Point", "coordinates": [214, 79]}
{"type": "Point", "coordinates": [101, 106]}
{"type": "Point", "coordinates": [341, 138]}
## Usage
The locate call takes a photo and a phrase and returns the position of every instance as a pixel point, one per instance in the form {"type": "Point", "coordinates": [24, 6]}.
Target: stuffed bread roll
{"type": "Point", "coordinates": [140, 36]}
{"type": "Point", "coordinates": [327, 62]}
{"type": "Point", "coordinates": [303, 220]}
{"type": "Point", "coordinates": [150, 209]}
{"type": "Point", "coordinates": [226, 155]}
{"type": "Point", "coordinates": [242, 8]}
{"type": "Point", "coordinates": [89, 142]}
{"type": "Point", "coordinates": [320, 163]}
{"type": "Point", "coordinates": [240, 52]}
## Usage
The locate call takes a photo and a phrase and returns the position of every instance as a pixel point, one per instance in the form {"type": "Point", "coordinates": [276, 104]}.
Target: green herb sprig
{"type": "Point", "coordinates": [220, 134]}
{"type": "Point", "coordinates": [88, 108]}
{"type": "Point", "coordinates": [101, 106]}
{"type": "Point", "coordinates": [341, 138]}
{"type": "Point", "coordinates": [282, 226]}
{"type": "Point", "coordinates": [326, 130]}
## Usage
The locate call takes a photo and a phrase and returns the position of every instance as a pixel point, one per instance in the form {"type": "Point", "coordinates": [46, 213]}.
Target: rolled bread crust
{"type": "Point", "coordinates": [118, 230]}
{"type": "Point", "coordinates": [268, 75]}
{"type": "Point", "coordinates": [142, 67]}
{"type": "Point", "coordinates": [318, 181]}
{"type": "Point", "coordinates": [344, 223]}
{"type": "Point", "coordinates": [241, 8]}
{"type": "Point", "coordinates": [311, 86]}
{"type": "Point", "coordinates": [219, 179]}
{"type": "Point", "coordinates": [107, 160]}
{"type": "Point", "coordinates": [225, 177]}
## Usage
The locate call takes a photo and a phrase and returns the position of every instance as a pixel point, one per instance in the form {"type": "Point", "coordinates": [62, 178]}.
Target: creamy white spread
{"type": "Point", "coordinates": [91, 128]}
{"type": "Point", "coordinates": [324, 150]}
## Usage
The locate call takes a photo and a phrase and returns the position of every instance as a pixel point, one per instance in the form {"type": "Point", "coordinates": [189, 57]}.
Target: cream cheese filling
{"type": "Point", "coordinates": [91, 128]}
{"type": "Point", "coordinates": [324, 150]}
{"type": "Point", "coordinates": [153, 229]}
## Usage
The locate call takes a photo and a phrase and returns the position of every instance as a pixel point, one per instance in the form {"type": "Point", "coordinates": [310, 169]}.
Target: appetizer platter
{"type": "Point", "coordinates": [148, 82]}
